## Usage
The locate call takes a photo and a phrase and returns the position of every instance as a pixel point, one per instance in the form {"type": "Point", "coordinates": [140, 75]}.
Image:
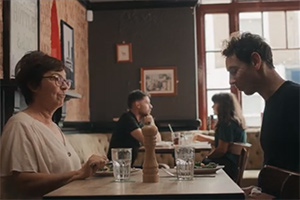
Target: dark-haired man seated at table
{"type": "Point", "coordinates": [128, 132]}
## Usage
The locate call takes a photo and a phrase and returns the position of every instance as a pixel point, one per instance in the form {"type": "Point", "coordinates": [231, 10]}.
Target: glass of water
{"type": "Point", "coordinates": [185, 156]}
{"type": "Point", "coordinates": [121, 158]}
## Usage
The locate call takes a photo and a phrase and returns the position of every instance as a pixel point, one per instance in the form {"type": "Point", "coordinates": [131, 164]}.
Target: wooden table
{"type": "Point", "coordinates": [170, 149]}
{"type": "Point", "coordinates": [218, 187]}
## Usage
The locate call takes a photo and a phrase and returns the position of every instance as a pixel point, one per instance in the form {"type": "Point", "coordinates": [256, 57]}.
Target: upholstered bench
{"type": "Point", "coordinates": [86, 144]}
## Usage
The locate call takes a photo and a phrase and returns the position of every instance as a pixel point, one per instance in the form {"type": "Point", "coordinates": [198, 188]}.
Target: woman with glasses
{"type": "Point", "coordinates": [229, 128]}
{"type": "Point", "coordinates": [36, 158]}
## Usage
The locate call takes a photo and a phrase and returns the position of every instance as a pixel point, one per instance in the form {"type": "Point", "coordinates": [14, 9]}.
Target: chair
{"type": "Point", "coordinates": [280, 183]}
{"type": "Point", "coordinates": [242, 151]}
{"type": "Point", "coordinates": [290, 188]}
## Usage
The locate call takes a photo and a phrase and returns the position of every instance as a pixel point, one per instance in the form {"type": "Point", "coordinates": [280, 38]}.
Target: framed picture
{"type": "Point", "coordinates": [24, 30]}
{"type": "Point", "coordinates": [67, 50]}
{"type": "Point", "coordinates": [159, 81]}
{"type": "Point", "coordinates": [124, 53]}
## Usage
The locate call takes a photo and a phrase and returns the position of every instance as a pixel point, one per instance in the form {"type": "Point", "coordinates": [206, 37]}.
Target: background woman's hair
{"type": "Point", "coordinates": [30, 70]}
{"type": "Point", "coordinates": [228, 109]}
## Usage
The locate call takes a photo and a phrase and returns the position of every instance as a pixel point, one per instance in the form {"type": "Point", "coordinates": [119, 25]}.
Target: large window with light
{"type": "Point", "coordinates": [276, 21]}
{"type": "Point", "coordinates": [217, 79]}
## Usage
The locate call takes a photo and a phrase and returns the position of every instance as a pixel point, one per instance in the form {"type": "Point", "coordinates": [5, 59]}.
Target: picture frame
{"type": "Point", "coordinates": [67, 50]}
{"type": "Point", "coordinates": [23, 36]}
{"type": "Point", "coordinates": [159, 81]}
{"type": "Point", "coordinates": [124, 52]}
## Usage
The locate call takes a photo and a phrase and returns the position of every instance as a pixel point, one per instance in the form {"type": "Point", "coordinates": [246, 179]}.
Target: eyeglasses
{"type": "Point", "coordinates": [59, 81]}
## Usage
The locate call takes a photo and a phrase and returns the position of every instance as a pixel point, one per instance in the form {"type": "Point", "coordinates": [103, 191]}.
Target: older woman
{"type": "Point", "coordinates": [230, 128]}
{"type": "Point", "coordinates": [36, 158]}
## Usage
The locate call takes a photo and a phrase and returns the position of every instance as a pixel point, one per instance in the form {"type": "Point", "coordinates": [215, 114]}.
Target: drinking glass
{"type": "Point", "coordinates": [185, 156]}
{"type": "Point", "coordinates": [176, 138]}
{"type": "Point", "coordinates": [121, 158]}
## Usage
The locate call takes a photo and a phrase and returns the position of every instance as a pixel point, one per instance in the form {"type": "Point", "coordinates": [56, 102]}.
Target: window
{"type": "Point", "coordinates": [214, 1]}
{"type": "Point", "coordinates": [217, 79]}
{"type": "Point", "coordinates": [277, 21]}
{"type": "Point", "coordinates": [281, 31]}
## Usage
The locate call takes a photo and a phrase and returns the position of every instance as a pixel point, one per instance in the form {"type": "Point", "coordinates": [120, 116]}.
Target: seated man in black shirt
{"type": "Point", "coordinates": [128, 133]}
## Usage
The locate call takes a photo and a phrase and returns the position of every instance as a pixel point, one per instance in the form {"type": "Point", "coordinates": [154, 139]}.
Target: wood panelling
{"type": "Point", "coordinates": [74, 14]}
{"type": "Point", "coordinates": [1, 44]}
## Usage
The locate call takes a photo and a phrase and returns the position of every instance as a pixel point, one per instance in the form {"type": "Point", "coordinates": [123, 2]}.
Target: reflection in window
{"type": "Point", "coordinates": [251, 22]}
{"type": "Point", "coordinates": [216, 30]}
{"type": "Point", "coordinates": [293, 28]}
{"type": "Point", "coordinates": [274, 29]}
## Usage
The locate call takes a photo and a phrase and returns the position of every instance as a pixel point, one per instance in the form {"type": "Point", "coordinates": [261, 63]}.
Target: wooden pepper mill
{"type": "Point", "coordinates": [150, 166]}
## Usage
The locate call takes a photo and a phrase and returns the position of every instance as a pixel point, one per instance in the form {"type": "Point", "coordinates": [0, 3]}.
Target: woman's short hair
{"type": "Point", "coordinates": [30, 70]}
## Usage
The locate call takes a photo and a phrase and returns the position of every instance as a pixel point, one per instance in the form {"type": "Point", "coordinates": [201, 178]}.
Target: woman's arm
{"type": "Point", "coordinates": [38, 184]}
{"type": "Point", "coordinates": [204, 138]}
{"type": "Point", "coordinates": [220, 150]}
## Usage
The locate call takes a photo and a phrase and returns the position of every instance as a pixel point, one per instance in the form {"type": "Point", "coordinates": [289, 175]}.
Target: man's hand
{"type": "Point", "coordinates": [148, 119]}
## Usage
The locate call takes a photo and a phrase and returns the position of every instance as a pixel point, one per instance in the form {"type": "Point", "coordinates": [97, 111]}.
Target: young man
{"type": "Point", "coordinates": [250, 64]}
{"type": "Point", "coordinates": [128, 133]}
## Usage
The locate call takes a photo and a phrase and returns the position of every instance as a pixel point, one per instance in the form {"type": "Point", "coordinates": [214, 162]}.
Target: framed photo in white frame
{"type": "Point", "coordinates": [124, 52]}
{"type": "Point", "coordinates": [159, 81]}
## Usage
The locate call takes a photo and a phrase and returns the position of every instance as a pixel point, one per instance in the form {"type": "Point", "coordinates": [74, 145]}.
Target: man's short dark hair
{"type": "Point", "coordinates": [136, 95]}
{"type": "Point", "coordinates": [243, 45]}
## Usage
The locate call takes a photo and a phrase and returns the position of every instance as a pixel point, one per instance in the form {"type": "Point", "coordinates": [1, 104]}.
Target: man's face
{"type": "Point", "coordinates": [145, 106]}
{"type": "Point", "coordinates": [242, 75]}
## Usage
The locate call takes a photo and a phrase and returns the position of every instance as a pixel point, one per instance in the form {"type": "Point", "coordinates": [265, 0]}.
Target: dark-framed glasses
{"type": "Point", "coordinates": [59, 81]}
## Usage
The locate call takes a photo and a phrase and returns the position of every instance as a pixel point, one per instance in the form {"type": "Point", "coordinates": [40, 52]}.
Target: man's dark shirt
{"type": "Point", "coordinates": [280, 128]}
{"type": "Point", "coordinates": [121, 137]}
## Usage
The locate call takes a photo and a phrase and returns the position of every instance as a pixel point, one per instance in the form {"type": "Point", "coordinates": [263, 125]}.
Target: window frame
{"type": "Point", "coordinates": [232, 9]}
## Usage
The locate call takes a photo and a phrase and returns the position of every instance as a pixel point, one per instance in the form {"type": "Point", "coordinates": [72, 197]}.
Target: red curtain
{"type": "Point", "coordinates": [55, 42]}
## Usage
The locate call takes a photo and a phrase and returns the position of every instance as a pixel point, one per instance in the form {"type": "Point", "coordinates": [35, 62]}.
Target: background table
{"type": "Point", "coordinates": [170, 149]}
{"type": "Point", "coordinates": [218, 187]}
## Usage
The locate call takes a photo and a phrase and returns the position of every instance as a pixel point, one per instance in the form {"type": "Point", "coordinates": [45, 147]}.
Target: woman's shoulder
{"type": "Point", "coordinates": [20, 117]}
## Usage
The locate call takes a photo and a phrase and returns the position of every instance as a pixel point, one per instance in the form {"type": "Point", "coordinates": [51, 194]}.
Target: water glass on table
{"type": "Point", "coordinates": [121, 158]}
{"type": "Point", "coordinates": [185, 156]}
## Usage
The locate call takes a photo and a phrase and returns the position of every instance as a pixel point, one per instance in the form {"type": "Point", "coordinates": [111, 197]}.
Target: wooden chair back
{"type": "Point", "coordinates": [280, 183]}
{"type": "Point", "coordinates": [291, 187]}
{"type": "Point", "coordinates": [242, 150]}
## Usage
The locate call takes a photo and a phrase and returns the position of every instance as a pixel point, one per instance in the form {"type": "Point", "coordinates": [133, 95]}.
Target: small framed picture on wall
{"type": "Point", "coordinates": [124, 52]}
{"type": "Point", "coordinates": [67, 44]}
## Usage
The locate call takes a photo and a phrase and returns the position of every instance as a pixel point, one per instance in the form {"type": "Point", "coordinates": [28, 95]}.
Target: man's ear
{"type": "Point", "coordinates": [137, 104]}
{"type": "Point", "coordinates": [256, 60]}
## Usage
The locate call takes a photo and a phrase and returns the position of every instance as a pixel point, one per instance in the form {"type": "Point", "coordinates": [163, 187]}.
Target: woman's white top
{"type": "Point", "coordinates": [27, 145]}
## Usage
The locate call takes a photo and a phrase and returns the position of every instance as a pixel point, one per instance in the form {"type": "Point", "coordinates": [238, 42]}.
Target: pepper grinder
{"type": "Point", "coordinates": [150, 166]}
